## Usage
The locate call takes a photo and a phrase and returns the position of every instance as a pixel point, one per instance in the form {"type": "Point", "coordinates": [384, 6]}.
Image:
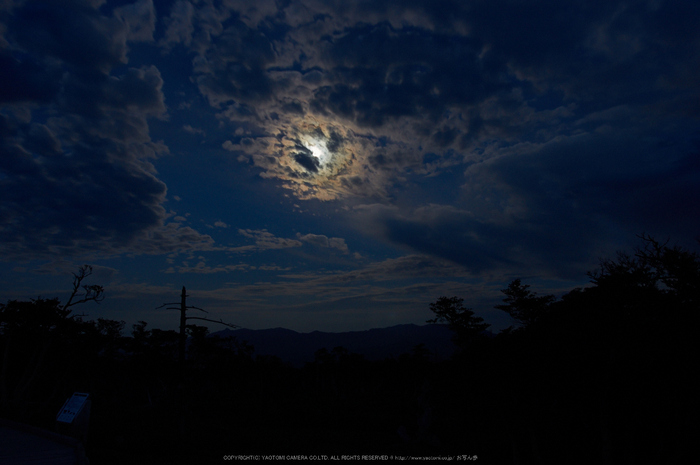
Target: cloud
{"type": "Point", "coordinates": [27, 80]}
{"type": "Point", "coordinates": [293, 111]}
{"type": "Point", "coordinates": [320, 240]}
{"type": "Point", "coordinates": [613, 173]}
{"type": "Point", "coordinates": [139, 290]}
{"type": "Point", "coordinates": [497, 246]}
{"type": "Point", "coordinates": [171, 238]}
{"type": "Point", "coordinates": [401, 288]}
{"type": "Point", "coordinates": [491, 135]}
{"type": "Point", "coordinates": [393, 84]}
{"type": "Point", "coordinates": [338, 243]}
{"type": "Point", "coordinates": [552, 208]}
{"type": "Point", "coordinates": [179, 24]}
{"type": "Point", "coordinates": [84, 172]}
{"type": "Point", "coordinates": [75, 34]}
{"type": "Point", "coordinates": [140, 20]}
{"type": "Point", "coordinates": [202, 268]}
{"type": "Point", "coordinates": [191, 130]}
{"type": "Point", "coordinates": [264, 240]}
{"type": "Point", "coordinates": [402, 268]}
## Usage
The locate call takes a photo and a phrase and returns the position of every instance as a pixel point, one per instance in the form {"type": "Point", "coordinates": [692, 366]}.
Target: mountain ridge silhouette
{"type": "Point", "coordinates": [374, 344]}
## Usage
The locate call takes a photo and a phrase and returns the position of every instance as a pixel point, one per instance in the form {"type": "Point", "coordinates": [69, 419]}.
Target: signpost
{"type": "Point", "coordinates": [72, 407]}
{"type": "Point", "coordinates": [74, 416]}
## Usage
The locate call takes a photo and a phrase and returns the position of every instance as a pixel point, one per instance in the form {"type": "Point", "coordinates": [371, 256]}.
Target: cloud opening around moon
{"type": "Point", "coordinates": [315, 159]}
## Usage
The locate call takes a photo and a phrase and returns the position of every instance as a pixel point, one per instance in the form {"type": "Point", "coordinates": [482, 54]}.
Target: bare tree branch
{"type": "Point", "coordinates": [197, 308]}
{"type": "Point", "coordinates": [92, 293]}
{"type": "Point", "coordinates": [170, 303]}
{"type": "Point", "coordinates": [221, 322]}
{"type": "Point", "coordinates": [180, 308]}
{"type": "Point", "coordinates": [183, 307]}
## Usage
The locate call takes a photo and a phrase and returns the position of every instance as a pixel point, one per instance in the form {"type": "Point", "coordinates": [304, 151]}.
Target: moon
{"type": "Point", "coordinates": [317, 158]}
{"type": "Point", "coordinates": [318, 149]}
{"type": "Point", "coordinates": [321, 150]}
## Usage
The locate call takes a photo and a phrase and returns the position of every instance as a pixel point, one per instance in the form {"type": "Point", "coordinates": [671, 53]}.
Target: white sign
{"type": "Point", "coordinates": [72, 407]}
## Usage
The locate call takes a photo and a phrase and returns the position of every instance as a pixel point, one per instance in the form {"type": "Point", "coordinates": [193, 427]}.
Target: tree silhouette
{"type": "Point", "coordinates": [35, 334]}
{"type": "Point", "coordinates": [460, 319]}
{"type": "Point", "coordinates": [92, 292]}
{"type": "Point", "coordinates": [525, 306]}
{"type": "Point", "coordinates": [672, 271]}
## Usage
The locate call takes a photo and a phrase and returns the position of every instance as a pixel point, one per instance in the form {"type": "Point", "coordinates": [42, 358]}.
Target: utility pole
{"type": "Point", "coordinates": [183, 307]}
{"type": "Point", "coordinates": [183, 322]}
{"type": "Point", "coordinates": [183, 325]}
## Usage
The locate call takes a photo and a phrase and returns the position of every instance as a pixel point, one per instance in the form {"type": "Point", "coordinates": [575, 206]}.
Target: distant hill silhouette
{"type": "Point", "coordinates": [374, 344]}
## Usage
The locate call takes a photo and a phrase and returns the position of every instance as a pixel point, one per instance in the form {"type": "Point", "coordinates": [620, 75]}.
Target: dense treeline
{"type": "Point", "coordinates": [601, 375]}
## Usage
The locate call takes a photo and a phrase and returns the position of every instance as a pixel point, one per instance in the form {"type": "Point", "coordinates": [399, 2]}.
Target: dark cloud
{"type": "Point", "coordinates": [26, 80]}
{"type": "Point", "coordinates": [335, 142]}
{"type": "Point", "coordinates": [234, 67]}
{"type": "Point", "coordinates": [389, 73]}
{"type": "Point", "coordinates": [604, 53]}
{"type": "Point", "coordinates": [445, 136]}
{"type": "Point", "coordinates": [79, 181]}
{"type": "Point", "coordinates": [555, 208]}
{"type": "Point", "coordinates": [614, 175]}
{"type": "Point", "coordinates": [437, 230]}
{"type": "Point", "coordinates": [293, 107]}
{"type": "Point", "coordinates": [139, 18]}
{"type": "Point", "coordinates": [73, 32]}
{"type": "Point", "coordinates": [80, 200]}
{"type": "Point", "coordinates": [306, 159]}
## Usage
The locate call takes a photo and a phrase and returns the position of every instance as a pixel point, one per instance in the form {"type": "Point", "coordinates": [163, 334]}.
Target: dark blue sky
{"type": "Point", "coordinates": [322, 165]}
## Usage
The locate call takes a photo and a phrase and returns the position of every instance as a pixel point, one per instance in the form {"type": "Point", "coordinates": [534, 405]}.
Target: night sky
{"type": "Point", "coordinates": [338, 165]}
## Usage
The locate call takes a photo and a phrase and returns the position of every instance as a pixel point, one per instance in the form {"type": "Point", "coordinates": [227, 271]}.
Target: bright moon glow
{"type": "Point", "coordinates": [320, 156]}
{"type": "Point", "coordinates": [318, 149]}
